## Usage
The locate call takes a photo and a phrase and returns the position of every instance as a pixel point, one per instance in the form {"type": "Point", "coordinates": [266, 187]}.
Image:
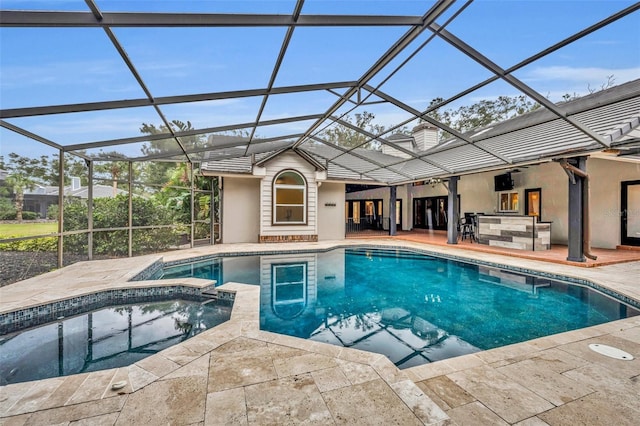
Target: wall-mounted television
{"type": "Point", "coordinates": [503, 182]}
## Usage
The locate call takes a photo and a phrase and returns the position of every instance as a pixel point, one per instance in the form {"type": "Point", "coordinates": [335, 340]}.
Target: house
{"type": "Point", "coordinates": [297, 193]}
{"type": "Point", "coordinates": [285, 195]}
{"type": "Point", "coordinates": [540, 190]}
{"type": "Point", "coordinates": [41, 197]}
{"type": "Point", "coordinates": [536, 185]}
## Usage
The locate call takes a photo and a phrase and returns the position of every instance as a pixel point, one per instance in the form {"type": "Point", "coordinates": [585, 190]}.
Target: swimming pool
{"type": "Point", "coordinates": [412, 307]}
{"type": "Point", "coordinates": [104, 338]}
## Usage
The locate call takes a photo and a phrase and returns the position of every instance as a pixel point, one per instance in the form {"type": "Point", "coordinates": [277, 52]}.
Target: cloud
{"type": "Point", "coordinates": [88, 72]}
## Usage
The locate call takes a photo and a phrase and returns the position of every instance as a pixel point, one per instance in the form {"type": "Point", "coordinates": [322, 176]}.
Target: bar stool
{"type": "Point", "coordinates": [467, 228]}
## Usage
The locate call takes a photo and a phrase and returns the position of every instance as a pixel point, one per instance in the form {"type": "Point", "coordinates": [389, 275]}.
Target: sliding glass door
{"type": "Point", "coordinates": [630, 209]}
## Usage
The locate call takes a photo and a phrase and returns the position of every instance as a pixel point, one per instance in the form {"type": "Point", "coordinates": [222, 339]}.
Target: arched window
{"type": "Point", "coordinates": [288, 289]}
{"type": "Point", "coordinates": [289, 198]}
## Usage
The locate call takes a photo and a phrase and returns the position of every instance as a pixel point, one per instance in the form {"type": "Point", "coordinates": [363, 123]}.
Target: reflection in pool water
{"type": "Point", "coordinates": [105, 338]}
{"type": "Point", "coordinates": [411, 307]}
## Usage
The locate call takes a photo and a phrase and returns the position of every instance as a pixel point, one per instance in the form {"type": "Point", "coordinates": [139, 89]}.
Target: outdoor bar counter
{"type": "Point", "coordinates": [515, 232]}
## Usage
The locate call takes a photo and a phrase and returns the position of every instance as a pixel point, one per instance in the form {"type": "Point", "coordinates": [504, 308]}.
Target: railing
{"type": "Point", "coordinates": [368, 226]}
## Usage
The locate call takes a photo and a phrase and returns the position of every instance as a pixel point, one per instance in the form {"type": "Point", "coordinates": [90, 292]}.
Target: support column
{"type": "Point", "coordinates": [130, 223]}
{"type": "Point", "coordinates": [452, 213]}
{"type": "Point", "coordinates": [212, 210]}
{"type": "Point", "coordinates": [60, 209]}
{"type": "Point", "coordinates": [392, 210]}
{"type": "Point", "coordinates": [90, 210]}
{"type": "Point", "coordinates": [192, 178]}
{"type": "Point", "coordinates": [408, 208]}
{"type": "Point", "coordinates": [576, 211]}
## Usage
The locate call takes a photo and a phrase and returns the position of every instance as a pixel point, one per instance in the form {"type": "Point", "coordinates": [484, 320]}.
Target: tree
{"type": "Point", "coordinates": [73, 166]}
{"type": "Point", "coordinates": [604, 86]}
{"type": "Point", "coordinates": [347, 137]}
{"type": "Point", "coordinates": [175, 195]}
{"type": "Point", "coordinates": [482, 113]}
{"type": "Point", "coordinates": [114, 168]}
{"type": "Point", "coordinates": [488, 111]}
{"type": "Point", "coordinates": [24, 173]}
{"type": "Point", "coordinates": [156, 172]}
{"type": "Point", "coordinates": [19, 183]}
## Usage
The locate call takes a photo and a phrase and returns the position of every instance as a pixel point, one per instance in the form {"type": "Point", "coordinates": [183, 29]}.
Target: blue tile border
{"type": "Point", "coordinates": [149, 272]}
{"type": "Point", "coordinates": [36, 315]}
{"type": "Point", "coordinates": [28, 317]}
{"type": "Point", "coordinates": [532, 272]}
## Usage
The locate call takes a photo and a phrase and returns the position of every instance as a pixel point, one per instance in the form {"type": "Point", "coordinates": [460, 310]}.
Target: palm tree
{"type": "Point", "coordinates": [19, 182]}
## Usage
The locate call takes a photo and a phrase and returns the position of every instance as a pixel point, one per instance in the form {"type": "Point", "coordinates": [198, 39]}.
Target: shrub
{"type": "Point", "coordinates": [113, 213]}
{"type": "Point", "coordinates": [26, 215]}
{"type": "Point", "coordinates": [52, 212]}
{"type": "Point", "coordinates": [36, 244]}
{"type": "Point", "coordinates": [8, 216]}
{"type": "Point", "coordinates": [7, 209]}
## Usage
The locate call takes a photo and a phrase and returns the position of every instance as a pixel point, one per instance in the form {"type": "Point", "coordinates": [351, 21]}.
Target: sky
{"type": "Point", "coordinates": [54, 66]}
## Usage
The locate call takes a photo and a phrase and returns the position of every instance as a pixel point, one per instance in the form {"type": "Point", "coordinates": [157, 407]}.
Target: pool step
{"type": "Point", "coordinates": [219, 295]}
{"type": "Point", "coordinates": [211, 293]}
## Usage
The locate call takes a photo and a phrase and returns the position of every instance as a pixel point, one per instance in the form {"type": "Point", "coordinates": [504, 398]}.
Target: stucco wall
{"type": "Point", "coordinates": [240, 210]}
{"type": "Point", "coordinates": [288, 161]}
{"type": "Point", "coordinates": [477, 195]}
{"type": "Point", "coordinates": [605, 177]}
{"type": "Point", "coordinates": [331, 211]}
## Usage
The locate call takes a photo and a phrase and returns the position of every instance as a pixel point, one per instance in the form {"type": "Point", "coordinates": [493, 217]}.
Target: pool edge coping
{"type": "Point", "coordinates": [246, 324]}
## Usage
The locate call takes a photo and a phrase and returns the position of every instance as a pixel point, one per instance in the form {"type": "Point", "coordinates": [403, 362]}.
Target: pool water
{"type": "Point", "coordinates": [409, 306]}
{"type": "Point", "coordinates": [105, 338]}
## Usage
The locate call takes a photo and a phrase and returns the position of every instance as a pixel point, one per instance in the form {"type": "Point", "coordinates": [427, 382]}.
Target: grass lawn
{"type": "Point", "coordinates": [8, 230]}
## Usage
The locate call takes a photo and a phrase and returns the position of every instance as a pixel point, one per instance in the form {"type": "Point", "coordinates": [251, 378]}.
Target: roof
{"type": "Point", "coordinates": [282, 79]}
{"type": "Point", "coordinates": [99, 191]}
{"type": "Point", "coordinates": [613, 114]}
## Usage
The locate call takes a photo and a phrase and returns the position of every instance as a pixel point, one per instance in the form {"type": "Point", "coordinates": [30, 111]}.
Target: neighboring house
{"type": "Point", "coordinates": [41, 197]}
{"type": "Point", "coordinates": [297, 194]}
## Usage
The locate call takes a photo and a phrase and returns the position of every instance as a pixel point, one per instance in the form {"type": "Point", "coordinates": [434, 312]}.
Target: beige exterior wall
{"type": "Point", "coordinates": [331, 225]}
{"type": "Point", "coordinates": [477, 195]}
{"type": "Point", "coordinates": [605, 177]}
{"type": "Point", "coordinates": [247, 205]}
{"type": "Point", "coordinates": [240, 210]}
{"type": "Point", "coordinates": [288, 161]}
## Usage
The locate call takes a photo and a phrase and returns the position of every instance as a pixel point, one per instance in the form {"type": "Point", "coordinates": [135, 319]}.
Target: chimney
{"type": "Point", "coordinates": [402, 140]}
{"type": "Point", "coordinates": [425, 135]}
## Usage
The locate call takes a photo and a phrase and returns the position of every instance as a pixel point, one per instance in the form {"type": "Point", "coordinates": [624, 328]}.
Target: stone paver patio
{"type": "Point", "coordinates": [238, 374]}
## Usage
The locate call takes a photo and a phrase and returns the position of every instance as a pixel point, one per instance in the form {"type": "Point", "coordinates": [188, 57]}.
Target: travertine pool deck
{"type": "Point", "coordinates": [238, 374]}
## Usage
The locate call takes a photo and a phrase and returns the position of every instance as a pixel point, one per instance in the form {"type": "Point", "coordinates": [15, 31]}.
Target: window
{"type": "Point", "coordinates": [356, 212]}
{"type": "Point", "coordinates": [369, 209]}
{"type": "Point", "coordinates": [508, 202]}
{"type": "Point", "coordinates": [290, 198]}
{"type": "Point", "coordinates": [289, 287]}
{"type": "Point", "coordinates": [533, 202]}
